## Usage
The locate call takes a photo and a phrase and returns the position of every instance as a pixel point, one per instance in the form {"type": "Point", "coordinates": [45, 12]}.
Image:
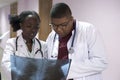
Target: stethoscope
{"type": "Point", "coordinates": [39, 50]}
{"type": "Point", "coordinates": [71, 50]}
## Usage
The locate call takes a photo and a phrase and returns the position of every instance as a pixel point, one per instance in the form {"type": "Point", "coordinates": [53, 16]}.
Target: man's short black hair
{"type": "Point", "coordinates": [60, 10]}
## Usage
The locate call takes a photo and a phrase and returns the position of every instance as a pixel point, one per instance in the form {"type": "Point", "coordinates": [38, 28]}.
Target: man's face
{"type": "Point", "coordinates": [62, 26]}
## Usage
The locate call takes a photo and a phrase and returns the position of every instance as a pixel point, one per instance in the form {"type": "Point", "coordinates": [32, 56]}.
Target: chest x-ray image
{"type": "Point", "coordinates": [23, 68]}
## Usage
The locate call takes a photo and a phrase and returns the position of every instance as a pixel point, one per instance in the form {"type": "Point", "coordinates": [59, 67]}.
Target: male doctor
{"type": "Point", "coordinates": [79, 41]}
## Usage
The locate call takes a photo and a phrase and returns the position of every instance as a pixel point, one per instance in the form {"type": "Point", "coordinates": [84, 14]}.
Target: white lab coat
{"type": "Point", "coordinates": [1, 54]}
{"type": "Point", "coordinates": [88, 59]}
{"type": "Point", "coordinates": [22, 51]}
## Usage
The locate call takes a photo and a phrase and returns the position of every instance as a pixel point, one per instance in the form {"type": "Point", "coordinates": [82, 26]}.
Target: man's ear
{"type": "Point", "coordinates": [72, 17]}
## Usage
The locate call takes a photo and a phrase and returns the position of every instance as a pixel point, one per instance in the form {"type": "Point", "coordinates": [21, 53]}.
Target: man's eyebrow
{"type": "Point", "coordinates": [60, 23]}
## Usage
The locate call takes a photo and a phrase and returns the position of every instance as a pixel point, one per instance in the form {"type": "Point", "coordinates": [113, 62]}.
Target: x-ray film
{"type": "Point", "coordinates": [23, 68]}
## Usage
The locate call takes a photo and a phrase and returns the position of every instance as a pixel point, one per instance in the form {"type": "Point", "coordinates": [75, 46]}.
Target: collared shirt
{"type": "Point", "coordinates": [63, 50]}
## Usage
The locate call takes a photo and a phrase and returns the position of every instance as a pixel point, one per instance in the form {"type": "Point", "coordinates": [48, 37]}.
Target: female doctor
{"type": "Point", "coordinates": [24, 45]}
{"type": "Point", "coordinates": [79, 41]}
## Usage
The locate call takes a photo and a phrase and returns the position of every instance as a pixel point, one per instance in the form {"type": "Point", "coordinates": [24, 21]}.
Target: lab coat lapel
{"type": "Point", "coordinates": [36, 47]}
{"type": "Point", "coordinates": [22, 48]}
{"type": "Point", "coordinates": [54, 50]}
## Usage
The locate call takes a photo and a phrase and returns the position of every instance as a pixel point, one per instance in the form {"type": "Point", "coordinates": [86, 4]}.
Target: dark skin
{"type": "Point", "coordinates": [62, 26]}
{"type": "Point", "coordinates": [30, 27]}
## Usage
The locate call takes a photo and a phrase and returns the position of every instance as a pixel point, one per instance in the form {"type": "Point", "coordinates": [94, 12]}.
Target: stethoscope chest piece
{"type": "Point", "coordinates": [71, 50]}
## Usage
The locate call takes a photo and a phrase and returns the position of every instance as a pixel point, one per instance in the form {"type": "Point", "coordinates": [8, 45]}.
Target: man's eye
{"type": "Point", "coordinates": [63, 24]}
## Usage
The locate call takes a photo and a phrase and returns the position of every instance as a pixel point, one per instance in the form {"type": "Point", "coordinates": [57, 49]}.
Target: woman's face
{"type": "Point", "coordinates": [30, 27]}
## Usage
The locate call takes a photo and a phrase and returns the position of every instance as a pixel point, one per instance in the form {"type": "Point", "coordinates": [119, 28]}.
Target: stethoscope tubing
{"type": "Point", "coordinates": [40, 49]}
{"type": "Point", "coordinates": [73, 37]}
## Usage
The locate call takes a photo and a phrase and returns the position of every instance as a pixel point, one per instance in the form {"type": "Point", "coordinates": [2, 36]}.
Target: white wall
{"type": "Point", "coordinates": [4, 24]}
{"type": "Point", "coordinates": [28, 5]}
{"type": "Point", "coordinates": [104, 14]}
